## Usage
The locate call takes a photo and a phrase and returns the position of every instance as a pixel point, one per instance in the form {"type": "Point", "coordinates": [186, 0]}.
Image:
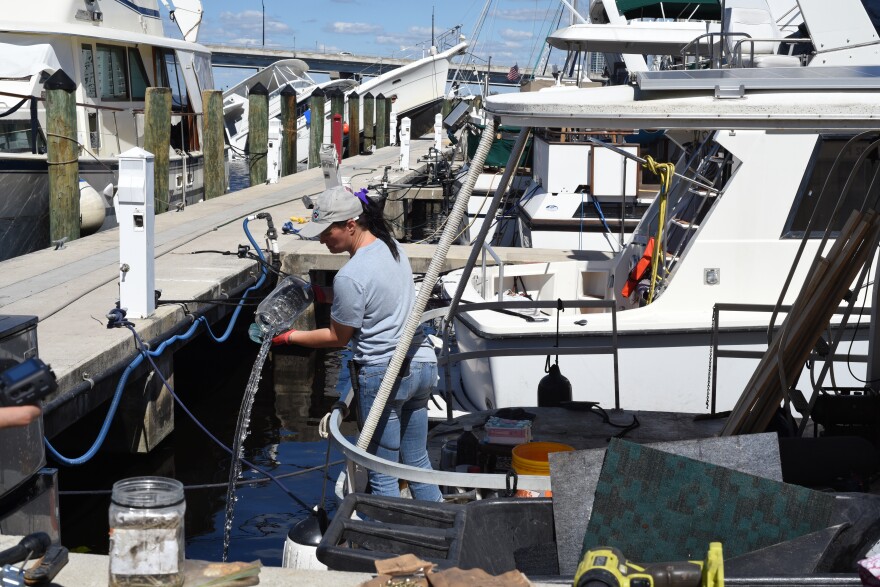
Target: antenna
{"type": "Point", "coordinates": [432, 25]}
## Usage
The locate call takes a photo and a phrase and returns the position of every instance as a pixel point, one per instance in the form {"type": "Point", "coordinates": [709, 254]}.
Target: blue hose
{"type": "Point", "coordinates": [117, 395]}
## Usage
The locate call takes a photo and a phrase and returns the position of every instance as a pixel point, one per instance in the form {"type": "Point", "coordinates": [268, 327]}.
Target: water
{"type": "Point", "coordinates": [242, 428]}
{"type": "Point", "coordinates": [210, 379]}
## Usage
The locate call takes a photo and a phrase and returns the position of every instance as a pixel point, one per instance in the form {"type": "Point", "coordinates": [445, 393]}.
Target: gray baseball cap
{"type": "Point", "coordinates": [335, 204]}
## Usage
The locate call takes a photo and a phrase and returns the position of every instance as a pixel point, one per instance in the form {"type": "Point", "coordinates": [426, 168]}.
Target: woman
{"type": "Point", "coordinates": [372, 298]}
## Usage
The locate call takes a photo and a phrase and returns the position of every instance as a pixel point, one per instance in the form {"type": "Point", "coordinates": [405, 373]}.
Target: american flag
{"type": "Point", "coordinates": [513, 74]}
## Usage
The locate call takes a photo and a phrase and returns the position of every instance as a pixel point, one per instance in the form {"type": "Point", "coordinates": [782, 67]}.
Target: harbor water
{"type": "Point", "coordinates": [283, 440]}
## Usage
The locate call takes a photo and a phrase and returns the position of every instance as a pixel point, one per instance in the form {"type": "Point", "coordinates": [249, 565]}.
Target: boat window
{"type": "Point", "coordinates": [821, 174]}
{"type": "Point", "coordinates": [112, 77]}
{"type": "Point", "coordinates": [16, 137]}
{"type": "Point", "coordinates": [88, 71]}
{"type": "Point", "coordinates": [139, 81]}
{"type": "Point", "coordinates": [204, 73]}
{"type": "Point", "coordinates": [172, 77]}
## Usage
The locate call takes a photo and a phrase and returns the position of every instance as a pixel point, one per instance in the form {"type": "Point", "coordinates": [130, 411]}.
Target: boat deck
{"type": "Point", "coordinates": [71, 290]}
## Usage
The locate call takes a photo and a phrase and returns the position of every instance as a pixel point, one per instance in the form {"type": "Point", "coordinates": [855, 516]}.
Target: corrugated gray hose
{"type": "Point", "coordinates": [450, 231]}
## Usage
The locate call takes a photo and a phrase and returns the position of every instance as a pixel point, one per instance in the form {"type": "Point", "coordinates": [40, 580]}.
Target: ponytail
{"type": "Point", "coordinates": [373, 219]}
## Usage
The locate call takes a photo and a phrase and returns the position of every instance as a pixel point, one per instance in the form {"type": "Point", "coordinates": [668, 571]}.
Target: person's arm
{"type": "Point", "coordinates": [336, 336]}
{"type": "Point", "coordinates": [18, 416]}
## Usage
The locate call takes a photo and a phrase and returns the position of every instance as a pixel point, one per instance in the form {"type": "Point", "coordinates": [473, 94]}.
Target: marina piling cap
{"type": "Point", "coordinates": [335, 204]}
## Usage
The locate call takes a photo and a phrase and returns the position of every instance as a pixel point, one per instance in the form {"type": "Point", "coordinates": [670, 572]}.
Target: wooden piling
{"type": "Point", "coordinates": [157, 140]}
{"type": "Point", "coordinates": [316, 130]}
{"type": "Point", "coordinates": [354, 124]}
{"type": "Point", "coordinates": [337, 103]}
{"type": "Point", "coordinates": [213, 144]}
{"type": "Point", "coordinates": [381, 121]}
{"type": "Point", "coordinates": [288, 131]}
{"type": "Point", "coordinates": [62, 157]}
{"type": "Point", "coordinates": [369, 113]}
{"type": "Point", "coordinates": [258, 134]}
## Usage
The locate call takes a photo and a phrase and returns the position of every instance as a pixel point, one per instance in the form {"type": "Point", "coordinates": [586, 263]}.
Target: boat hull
{"type": "Point", "coordinates": [662, 370]}
{"type": "Point", "coordinates": [24, 207]}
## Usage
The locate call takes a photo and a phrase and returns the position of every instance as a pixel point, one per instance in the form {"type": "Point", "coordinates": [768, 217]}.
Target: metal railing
{"type": "Point", "coordinates": [488, 249]}
{"type": "Point", "coordinates": [492, 481]}
{"type": "Point", "coordinates": [718, 352]}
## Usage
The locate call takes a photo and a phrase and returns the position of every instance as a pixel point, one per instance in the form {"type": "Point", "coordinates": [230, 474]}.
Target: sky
{"type": "Point", "coordinates": [512, 33]}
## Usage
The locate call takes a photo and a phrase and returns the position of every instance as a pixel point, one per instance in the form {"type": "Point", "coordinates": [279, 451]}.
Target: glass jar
{"type": "Point", "coordinates": [146, 532]}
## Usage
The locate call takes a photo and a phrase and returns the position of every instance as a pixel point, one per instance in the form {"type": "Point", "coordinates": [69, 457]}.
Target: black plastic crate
{"type": "Point", "coordinates": [493, 535]}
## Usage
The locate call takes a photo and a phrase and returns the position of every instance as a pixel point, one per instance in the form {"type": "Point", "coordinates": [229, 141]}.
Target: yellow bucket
{"type": "Point", "coordinates": [532, 458]}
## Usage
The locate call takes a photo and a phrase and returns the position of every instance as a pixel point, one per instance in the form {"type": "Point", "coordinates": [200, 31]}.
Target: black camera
{"type": "Point", "coordinates": [26, 383]}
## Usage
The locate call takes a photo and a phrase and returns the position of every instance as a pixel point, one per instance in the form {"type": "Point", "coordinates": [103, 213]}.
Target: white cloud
{"type": "Point", "coordinates": [353, 28]}
{"type": "Point", "coordinates": [522, 14]}
{"type": "Point", "coordinates": [515, 35]}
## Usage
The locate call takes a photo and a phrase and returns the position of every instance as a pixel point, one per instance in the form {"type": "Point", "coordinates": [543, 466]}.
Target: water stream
{"type": "Point", "coordinates": [241, 431]}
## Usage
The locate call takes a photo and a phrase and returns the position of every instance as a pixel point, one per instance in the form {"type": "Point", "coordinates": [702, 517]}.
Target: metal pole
{"type": "Point", "coordinates": [263, 2]}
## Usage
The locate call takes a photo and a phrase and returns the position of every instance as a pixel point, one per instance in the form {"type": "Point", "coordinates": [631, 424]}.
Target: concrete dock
{"type": "Point", "coordinates": [71, 290]}
{"type": "Point", "coordinates": [92, 570]}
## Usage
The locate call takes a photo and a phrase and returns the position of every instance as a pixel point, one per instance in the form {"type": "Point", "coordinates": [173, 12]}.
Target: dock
{"type": "Point", "coordinates": [71, 290]}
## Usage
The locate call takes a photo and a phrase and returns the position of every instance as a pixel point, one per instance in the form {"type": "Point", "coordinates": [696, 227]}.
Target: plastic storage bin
{"type": "Point", "coordinates": [492, 534]}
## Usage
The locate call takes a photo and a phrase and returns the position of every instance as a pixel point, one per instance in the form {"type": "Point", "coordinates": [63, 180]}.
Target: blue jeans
{"type": "Point", "coordinates": [402, 433]}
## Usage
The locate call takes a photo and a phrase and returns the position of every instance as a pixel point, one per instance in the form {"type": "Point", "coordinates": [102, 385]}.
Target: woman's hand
{"type": "Point", "coordinates": [18, 416]}
{"type": "Point", "coordinates": [284, 337]}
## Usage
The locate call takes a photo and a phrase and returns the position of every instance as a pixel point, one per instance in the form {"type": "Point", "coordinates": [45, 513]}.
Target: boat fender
{"type": "Point", "coordinates": [300, 548]}
{"type": "Point", "coordinates": [639, 270]}
{"type": "Point", "coordinates": [553, 389]}
{"type": "Point", "coordinates": [92, 208]}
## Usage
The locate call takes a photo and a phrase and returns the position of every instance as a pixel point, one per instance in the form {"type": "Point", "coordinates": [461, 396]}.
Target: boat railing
{"type": "Point", "coordinates": [715, 42]}
{"type": "Point", "coordinates": [448, 358]}
{"type": "Point", "coordinates": [738, 48]}
{"type": "Point", "coordinates": [718, 352]}
{"type": "Point", "coordinates": [361, 457]}
{"type": "Point", "coordinates": [491, 481]}
{"type": "Point", "coordinates": [718, 45]}
{"type": "Point", "coordinates": [487, 248]}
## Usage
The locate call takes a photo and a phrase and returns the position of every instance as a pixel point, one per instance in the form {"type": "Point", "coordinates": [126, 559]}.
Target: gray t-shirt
{"type": "Point", "coordinates": [374, 294]}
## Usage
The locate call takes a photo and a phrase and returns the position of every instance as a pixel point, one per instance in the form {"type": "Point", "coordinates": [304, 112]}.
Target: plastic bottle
{"type": "Point", "coordinates": [146, 532]}
{"type": "Point", "coordinates": [278, 311]}
{"type": "Point", "coordinates": [468, 446]}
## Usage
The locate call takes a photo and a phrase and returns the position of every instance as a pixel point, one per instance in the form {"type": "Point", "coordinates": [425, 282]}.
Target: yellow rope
{"type": "Point", "coordinates": [665, 172]}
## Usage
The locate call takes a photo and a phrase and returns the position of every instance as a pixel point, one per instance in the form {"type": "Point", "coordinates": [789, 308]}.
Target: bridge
{"type": "Point", "coordinates": [344, 64]}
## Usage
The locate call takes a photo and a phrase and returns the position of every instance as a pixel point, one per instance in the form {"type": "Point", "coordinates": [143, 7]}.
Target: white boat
{"type": "Point", "coordinates": [760, 161]}
{"type": "Point", "coordinates": [582, 197]}
{"type": "Point", "coordinates": [730, 237]}
{"type": "Point", "coordinates": [287, 73]}
{"type": "Point", "coordinates": [415, 90]}
{"type": "Point", "coordinates": [113, 51]}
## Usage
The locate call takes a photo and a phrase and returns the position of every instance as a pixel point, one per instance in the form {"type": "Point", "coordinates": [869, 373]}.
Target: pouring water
{"type": "Point", "coordinates": [275, 314]}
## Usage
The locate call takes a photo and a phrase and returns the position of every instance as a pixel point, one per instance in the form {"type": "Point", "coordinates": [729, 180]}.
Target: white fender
{"type": "Point", "coordinates": [91, 208]}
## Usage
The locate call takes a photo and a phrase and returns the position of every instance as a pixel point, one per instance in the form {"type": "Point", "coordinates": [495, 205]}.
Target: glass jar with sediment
{"type": "Point", "coordinates": [146, 532]}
